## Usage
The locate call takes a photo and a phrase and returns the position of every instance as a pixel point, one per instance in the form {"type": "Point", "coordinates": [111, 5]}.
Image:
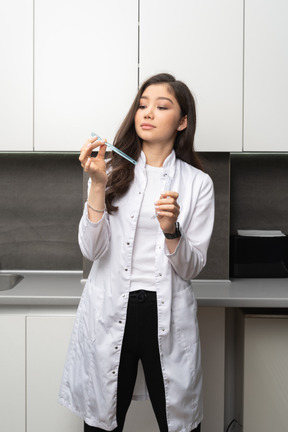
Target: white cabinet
{"type": "Point", "coordinates": [71, 67]}
{"type": "Point", "coordinates": [16, 75]}
{"type": "Point", "coordinates": [265, 77]}
{"type": "Point", "coordinates": [47, 344]}
{"type": "Point", "coordinates": [86, 55]}
{"type": "Point", "coordinates": [212, 336]}
{"type": "Point", "coordinates": [265, 374]}
{"type": "Point", "coordinates": [33, 346]}
{"type": "Point", "coordinates": [200, 43]}
{"type": "Point", "coordinates": [12, 373]}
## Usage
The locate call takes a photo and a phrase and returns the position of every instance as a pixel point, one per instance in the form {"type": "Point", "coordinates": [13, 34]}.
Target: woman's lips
{"type": "Point", "coordinates": [147, 126]}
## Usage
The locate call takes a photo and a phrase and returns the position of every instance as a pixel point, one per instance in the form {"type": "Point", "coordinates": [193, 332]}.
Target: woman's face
{"type": "Point", "coordinates": [158, 117]}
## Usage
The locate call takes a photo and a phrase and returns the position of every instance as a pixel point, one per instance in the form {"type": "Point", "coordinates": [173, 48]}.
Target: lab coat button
{"type": "Point", "coordinates": [132, 216]}
{"type": "Point", "coordinates": [160, 274]}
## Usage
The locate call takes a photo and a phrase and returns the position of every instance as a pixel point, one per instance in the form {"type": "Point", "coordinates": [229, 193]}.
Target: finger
{"type": "Point", "coordinates": [88, 148]}
{"type": "Point", "coordinates": [170, 194]}
{"type": "Point", "coordinates": [166, 214]}
{"type": "Point", "coordinates": [167, 201]}
{"type": "Point", "coordinates": [102, 151]}
{"type": "Point", "coordinates": [167, 209]}
{"type": "Point", "coordinates": [88, 142]}
{"type": "Point", "coordinates": [86, 165]}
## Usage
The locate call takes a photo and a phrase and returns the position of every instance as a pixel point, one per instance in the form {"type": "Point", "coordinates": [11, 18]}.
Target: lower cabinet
{"type": "Point", "coordinates": [33, 347]}
{"type": "Point", "coordinates": [47, 343]}
{"type": "Point", "coordinates": [212, 336]}
{"type": "Point", "coordinates": [265, 373]}
{"type": "Point", "coordinates": [12, 373]}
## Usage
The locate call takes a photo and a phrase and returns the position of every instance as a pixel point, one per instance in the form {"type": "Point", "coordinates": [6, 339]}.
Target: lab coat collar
{"type": "Point", "coordinates": [168, 166]}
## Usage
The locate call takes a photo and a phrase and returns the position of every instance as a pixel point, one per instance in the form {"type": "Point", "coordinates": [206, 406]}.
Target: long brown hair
{"type": "Point", "coordinates": [121, 171]}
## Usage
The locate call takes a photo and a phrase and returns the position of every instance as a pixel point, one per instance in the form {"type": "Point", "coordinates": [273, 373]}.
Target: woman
{"type": "Point", "coordinates": [147, 228]}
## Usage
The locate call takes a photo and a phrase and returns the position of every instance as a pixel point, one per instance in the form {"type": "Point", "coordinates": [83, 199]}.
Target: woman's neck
{"type": "Point", "coordinates": [156, 155]}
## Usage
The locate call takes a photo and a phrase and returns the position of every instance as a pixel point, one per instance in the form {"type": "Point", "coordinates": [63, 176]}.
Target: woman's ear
{"type": "Point", "coordinates": [183, 124]}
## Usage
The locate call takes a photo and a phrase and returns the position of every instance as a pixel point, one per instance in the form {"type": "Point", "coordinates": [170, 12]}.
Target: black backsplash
{"type": "Point", "coordinates": [40, 208]}
{"type": "Point", "coordinates": [42, 194]}
{"type": "Point", "coordinates": [217, 165]}
{"type": "Point", "coordinates": [259, 192]}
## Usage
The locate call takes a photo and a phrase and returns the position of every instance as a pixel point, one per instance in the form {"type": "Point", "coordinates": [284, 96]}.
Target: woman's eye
{"type": "Point", "coordinates": [141, 107]}
{"type": "Point", "coordinates": [162, 108]}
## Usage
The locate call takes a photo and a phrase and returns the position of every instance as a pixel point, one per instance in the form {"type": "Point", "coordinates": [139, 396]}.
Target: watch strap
{"type": "Point", "coordinates": [177, 233]}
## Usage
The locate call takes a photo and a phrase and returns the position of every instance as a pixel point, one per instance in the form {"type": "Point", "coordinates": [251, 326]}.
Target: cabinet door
{"type": "Point", "coordinates": [265, 374]}
{"type": "Point", "coordinates": [12, 373]}
{"type": "Point", "coordinates": [200, 43]}
{"type": "Point", "coordinates": [86, 69]}
{"type": "Point", "coordinates": [212, 336]}
{"type": "Point", "coordinates": [265, 77]}
{"type": "Point", "coordinates": [16, 75]}
{"type": "Point", "coordinates": [47, 343]}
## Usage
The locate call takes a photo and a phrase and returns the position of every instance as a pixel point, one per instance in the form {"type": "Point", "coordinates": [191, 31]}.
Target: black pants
{"type": "Point", "coordinates": [140, 342]}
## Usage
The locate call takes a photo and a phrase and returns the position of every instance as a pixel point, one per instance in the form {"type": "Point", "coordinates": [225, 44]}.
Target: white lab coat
{"type": "Point", "coordinates": [89, 384]}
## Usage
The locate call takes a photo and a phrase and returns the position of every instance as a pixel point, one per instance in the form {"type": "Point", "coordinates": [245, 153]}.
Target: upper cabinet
{"type": "Point", "coordinates": [266, 76]}
{"type": "Point", "coordinates": [16, 75]}
{"type": "Point", "coordinates": [70, 67]}
{"type": "Point", "coordinates": [200, 43]}
{"type": "Point", "coordinates": [86, 69]}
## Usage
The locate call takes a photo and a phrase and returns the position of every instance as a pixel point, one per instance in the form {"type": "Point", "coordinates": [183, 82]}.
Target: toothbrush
{"type": "Point", "coordinates": [115, 149]}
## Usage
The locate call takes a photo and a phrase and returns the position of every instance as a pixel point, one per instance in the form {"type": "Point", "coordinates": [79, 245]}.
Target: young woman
{"type": "Point", "coordinates": [147, 228]}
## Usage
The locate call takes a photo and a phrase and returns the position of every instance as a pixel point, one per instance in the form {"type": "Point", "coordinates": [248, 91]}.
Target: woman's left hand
{"type": "Point", "coordinates": [167, 210]}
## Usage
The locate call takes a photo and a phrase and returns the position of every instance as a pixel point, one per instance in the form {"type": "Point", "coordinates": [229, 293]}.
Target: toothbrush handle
{"type": "Point", "coordinates": [115, 149]}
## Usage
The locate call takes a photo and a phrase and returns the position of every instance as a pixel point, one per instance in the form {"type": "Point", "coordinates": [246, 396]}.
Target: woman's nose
{"type": "Point", "coordinates": [148, 113]}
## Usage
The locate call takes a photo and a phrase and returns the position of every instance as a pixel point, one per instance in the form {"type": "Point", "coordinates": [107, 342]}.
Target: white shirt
{"type": "Point", "coordinates": [143, 256]}
{"type": "Point", "coordinates": [89, 385]}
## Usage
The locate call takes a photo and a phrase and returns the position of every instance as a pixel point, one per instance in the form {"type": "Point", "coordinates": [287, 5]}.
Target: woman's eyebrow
{"type": "Point", "coordinates": [159, 98]}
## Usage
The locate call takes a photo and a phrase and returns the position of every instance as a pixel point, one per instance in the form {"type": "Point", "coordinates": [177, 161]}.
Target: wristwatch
{"type": "Point", "coordinates": [177, 233]}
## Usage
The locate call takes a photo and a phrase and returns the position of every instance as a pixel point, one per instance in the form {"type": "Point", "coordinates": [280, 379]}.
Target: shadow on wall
{"type": "Point", "coordinates": [40, 209]}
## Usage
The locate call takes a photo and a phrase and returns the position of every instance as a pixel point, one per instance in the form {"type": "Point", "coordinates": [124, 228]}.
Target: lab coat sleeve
{"type": "Point", "coordinates": [190, 255]}
{"type": "Point", "coordinates": [93, 238]}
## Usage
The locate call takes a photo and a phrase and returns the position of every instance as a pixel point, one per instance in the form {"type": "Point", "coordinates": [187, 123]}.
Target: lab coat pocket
{"type": "Point", "coordinates": [91, 310]}
{"type": "Point", "coordinates": [184, 318]}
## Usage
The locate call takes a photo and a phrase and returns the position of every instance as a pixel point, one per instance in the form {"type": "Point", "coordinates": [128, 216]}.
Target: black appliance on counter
{"type": "Point", "coordinates": [259, 254]}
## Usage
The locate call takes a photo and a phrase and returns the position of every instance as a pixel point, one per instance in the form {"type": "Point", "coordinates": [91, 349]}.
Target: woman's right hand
{"type": "Point", "coordinates": [94, 166]}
